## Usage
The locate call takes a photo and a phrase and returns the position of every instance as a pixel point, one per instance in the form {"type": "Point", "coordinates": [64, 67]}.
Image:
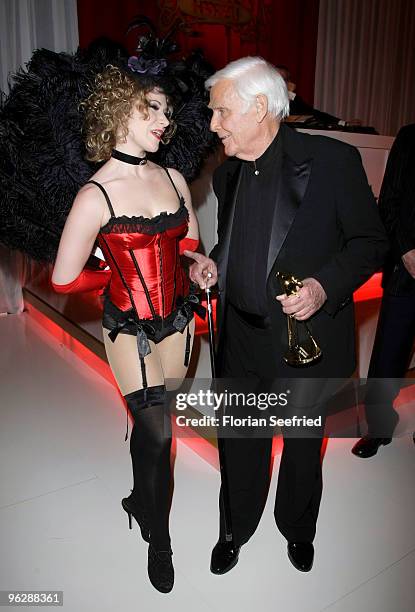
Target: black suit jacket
{"type": "Point", "coordinates": [397, 210]}
{"type": "Point", "coordinates": [326, 225]}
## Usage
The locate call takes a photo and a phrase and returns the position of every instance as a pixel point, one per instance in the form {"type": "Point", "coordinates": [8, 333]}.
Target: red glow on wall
{"type": "Point", "coordinates": [371, 290]}
{"type": "Point", "coordinates": [80, 350]}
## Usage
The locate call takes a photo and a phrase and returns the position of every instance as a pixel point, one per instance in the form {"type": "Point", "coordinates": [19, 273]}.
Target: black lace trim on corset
{"type": "Point", "coordinates": [145, 225]}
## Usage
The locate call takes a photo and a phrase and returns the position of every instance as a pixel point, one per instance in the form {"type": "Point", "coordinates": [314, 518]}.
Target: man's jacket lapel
{"type": "Point", "coordinates": [293, 183]}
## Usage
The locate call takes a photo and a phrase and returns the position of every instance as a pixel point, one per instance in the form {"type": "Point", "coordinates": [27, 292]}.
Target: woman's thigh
{"type": "Point", "coordinates": [171, 352]}
{"type": "Point", "coordinates": [125, 363]}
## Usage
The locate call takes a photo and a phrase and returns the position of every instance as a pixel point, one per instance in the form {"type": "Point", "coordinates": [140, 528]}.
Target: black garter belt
{"type": "Point", "coordinates": [126, 322]}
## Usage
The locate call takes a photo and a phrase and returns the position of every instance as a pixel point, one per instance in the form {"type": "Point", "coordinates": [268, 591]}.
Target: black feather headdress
{"type": "Point", "coordinates": [184, 78]}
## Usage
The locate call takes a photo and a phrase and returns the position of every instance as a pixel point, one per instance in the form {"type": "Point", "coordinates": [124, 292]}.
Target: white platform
{"type": "Point", "coordinates": [64, 468]}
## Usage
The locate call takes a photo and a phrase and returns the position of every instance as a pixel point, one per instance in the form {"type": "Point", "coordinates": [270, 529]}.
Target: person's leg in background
{"type": "Point", "coordinates": [395, 335]}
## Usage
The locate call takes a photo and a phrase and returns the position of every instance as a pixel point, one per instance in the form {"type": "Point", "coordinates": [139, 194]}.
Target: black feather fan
{"type": "Point", "coordinates": [42, 163]}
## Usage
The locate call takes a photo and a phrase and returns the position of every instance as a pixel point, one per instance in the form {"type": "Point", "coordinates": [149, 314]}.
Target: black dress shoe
{"type": "Point", "coordinates": [368, 446]}
{"type": "Point", "coordinates": [224, 557]}
{"type": "Point", "coordinates": [301, 555]}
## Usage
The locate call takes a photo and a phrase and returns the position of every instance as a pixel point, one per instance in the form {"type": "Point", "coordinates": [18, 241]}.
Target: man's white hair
{"type": "Point", "coordinates": [252, 76]}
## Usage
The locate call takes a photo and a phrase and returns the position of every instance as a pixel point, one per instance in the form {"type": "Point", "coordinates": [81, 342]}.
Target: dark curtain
{"type": "Point", "coordinates": [282, 31]}
{"type": "Point", "coordinates": [294, 42]}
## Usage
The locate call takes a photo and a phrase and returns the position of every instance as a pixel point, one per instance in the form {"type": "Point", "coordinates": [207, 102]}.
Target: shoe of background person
{"type": "Point", "coordinates": [368, 446]}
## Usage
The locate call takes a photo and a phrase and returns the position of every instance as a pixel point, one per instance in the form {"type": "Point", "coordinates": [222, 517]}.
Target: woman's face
{"type": "Point", "coordinates": [145, 133]}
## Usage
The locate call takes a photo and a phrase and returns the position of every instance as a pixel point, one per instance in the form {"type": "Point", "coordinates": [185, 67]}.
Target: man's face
{"type": "Point", "coordinates": [236, 129]}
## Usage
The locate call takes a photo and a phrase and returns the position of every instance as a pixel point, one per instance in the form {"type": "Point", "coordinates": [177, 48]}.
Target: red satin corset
{"type": "Point", "coordinates": [143, 255]}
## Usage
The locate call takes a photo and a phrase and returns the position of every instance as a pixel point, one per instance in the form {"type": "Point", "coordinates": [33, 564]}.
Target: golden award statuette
{"type": "Point", "coordinates": [304, 351]}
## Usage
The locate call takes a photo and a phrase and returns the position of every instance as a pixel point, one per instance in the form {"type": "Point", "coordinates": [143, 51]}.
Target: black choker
{"type": "Point", "coordinates": [129, 159]}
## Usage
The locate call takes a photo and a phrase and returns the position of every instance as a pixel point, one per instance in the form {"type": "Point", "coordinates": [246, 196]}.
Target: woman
{"type": "Point", "coordinates": [141, 216]}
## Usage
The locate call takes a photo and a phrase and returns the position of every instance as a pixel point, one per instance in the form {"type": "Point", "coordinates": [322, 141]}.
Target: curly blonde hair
{"type": "Point", "coordinates": [108, 108]}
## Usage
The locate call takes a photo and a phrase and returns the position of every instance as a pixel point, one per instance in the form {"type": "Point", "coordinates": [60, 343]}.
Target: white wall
{"type": "Point", "coordinates": [26, 25]}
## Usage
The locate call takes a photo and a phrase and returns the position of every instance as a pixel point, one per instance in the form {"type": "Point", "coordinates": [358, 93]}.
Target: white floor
{"type": "Point", "coordinates": [64, 467]}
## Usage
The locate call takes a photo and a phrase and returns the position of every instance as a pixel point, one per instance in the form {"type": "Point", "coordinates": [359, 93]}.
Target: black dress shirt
{"type": "Point", "coordinates": [251, 231]}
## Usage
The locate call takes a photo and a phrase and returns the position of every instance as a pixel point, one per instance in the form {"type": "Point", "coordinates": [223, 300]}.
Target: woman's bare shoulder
{"type": "Point", "coordinates": [177, 177]}
{"type": "Point", "coordinates": [89, 202]}
{"type": "Point", "coordinates": [90, 191]}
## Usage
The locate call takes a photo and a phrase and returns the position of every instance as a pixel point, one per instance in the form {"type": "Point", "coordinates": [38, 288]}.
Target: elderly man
{"type": "Point", "coordinates": [286, 202]}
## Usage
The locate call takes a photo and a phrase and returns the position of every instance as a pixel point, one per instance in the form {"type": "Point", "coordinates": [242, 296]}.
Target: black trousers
{"type": "Point", "coordinates": [392, 349]}
{"type": "Point", "coordinates": [248, 353]}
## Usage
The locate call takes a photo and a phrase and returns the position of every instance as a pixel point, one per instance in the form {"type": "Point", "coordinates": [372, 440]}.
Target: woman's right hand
{"type": "Point", "coordinates": [203, 271]}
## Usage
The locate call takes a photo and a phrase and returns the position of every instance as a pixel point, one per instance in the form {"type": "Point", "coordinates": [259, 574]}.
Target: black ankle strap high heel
{"type": "Point", "coordinates": [132, 509]}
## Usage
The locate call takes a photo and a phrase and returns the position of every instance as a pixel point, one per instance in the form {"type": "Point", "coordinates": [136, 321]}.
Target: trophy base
{"type": "Point", "coordinates": [298, 357]}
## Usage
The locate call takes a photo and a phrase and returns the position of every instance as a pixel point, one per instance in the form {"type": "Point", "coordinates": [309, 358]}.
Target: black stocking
{"type": "Point", "coordinates": [150, 445]}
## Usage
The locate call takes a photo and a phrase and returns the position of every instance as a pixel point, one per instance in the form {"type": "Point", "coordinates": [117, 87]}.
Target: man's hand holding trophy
{"type": "Point", "coordinates": [300, 300]}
